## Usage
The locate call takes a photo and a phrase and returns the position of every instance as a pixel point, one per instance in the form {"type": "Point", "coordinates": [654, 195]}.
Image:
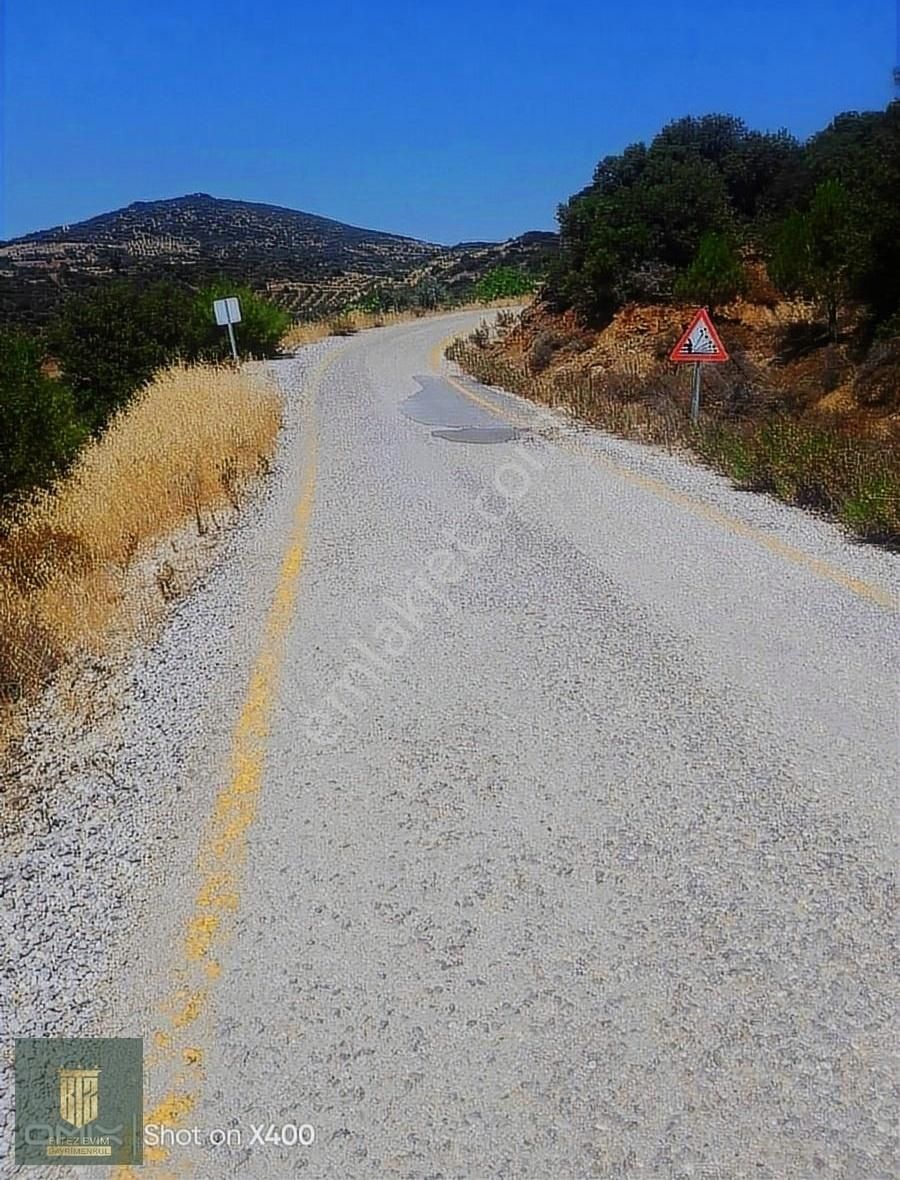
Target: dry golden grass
{"type": "Point", "coordinates": [189, 443]}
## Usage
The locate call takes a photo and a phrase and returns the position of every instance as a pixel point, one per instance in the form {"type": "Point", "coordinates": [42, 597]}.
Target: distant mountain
{"type": "Point", "coordinates": [312, 264]}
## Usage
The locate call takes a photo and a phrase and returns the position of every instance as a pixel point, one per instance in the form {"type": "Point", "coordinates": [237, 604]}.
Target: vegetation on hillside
{"type": "Point", "coordinates": [796, 246]}
{"type": "Point", "coordinates": [670, 219]}
{"type": "Point", "coordinates": [195, 239]}
{"type": "Point", "coordinates": [311, 266]}
{"type": "Point", "coordinates": [432, 290]}
{"type": "Point", "coordinates": [504, 282]}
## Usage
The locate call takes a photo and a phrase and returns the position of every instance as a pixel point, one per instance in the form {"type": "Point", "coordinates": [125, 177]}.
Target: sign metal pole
{"type": "Point", "coordinates": [695, 394]}
{"type": "Point", "coordinates": [228, 313]}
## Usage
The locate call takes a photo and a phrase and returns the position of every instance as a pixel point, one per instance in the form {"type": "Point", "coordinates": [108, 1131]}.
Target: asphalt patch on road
{"type": "Point", "coordinates": [480, 434]}
{"type": "Point", "coordinates": [437, 404]}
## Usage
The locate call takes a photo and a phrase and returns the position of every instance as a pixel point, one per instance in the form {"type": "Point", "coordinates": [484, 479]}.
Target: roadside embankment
{"type": "Point", "coordinates": [96, 558]}
{"type": "Point", "coordinates": [766, 423]}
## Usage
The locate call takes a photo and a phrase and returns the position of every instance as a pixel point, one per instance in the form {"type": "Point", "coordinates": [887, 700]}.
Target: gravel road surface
{"type": "Point", "coordinates": [510, 801]}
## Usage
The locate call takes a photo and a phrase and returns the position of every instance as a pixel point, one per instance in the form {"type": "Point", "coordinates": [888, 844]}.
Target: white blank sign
{"type": "Point", "coordinates": [228, 311]}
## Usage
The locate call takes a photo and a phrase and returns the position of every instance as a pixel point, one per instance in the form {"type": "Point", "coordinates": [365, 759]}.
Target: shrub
{"type": "Point", "coordinates": [40, 431]}
{"type": "Point", "coordinates": [889, 328]}
{"type": "Point", "coordinates": [507, 321]}
{"type": "Point", "coordinates": [258, 335]}
{"type": "Point", "coordinates": [503, 282]}
{"type": "Point", "coordinates": [879, 378]}
{"type": "Point", "coordinates": [541, 352]}
{"type": "Point", "coordinates": [817, 253]}
{"type": "Point", "coordinates": [872, 509]}
{"type": "Point", "coordinates": [857, 482]}
{"type": "Point", "coordinates": [112, 340]}
{"type": "Point", "coordinates": [373, 302]}
{"type": "Point", "coordinates": [831, 202]}
{"type": "Point", "coordinates": [429, 294]}
{"type": "Point", "coordinates": [651, 282]}
{"type": "Point", "coordinates": [715, 276]}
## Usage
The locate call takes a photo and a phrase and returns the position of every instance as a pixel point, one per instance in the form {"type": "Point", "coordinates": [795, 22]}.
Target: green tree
{"type": "Point", "coordinates": [874, 185]}
{"type": "Point", "coordinates": [503, 282]}
{"type": "Point", "coordinates": [764, 175]}
{"type": "Point", "coordinates": [373, 302]}
{"type": "Point", "coordinates": [110, 341]}
{"type": "Point", "coordinates": [429, 293]}
{"type": "Point", "coordinates": [715, 276]}
{"type": "Point", "coordinates": [606, 244]}
{"type": "Point", "coordinates": [817, 253]}
{"type": "Point", "coordinates": [644, 214]}
{"type": "Point", "coordinates": [647, 210]}
{"type": "Point", "coordinates": [40, 432]}
{"type": "Point", "coordinates": [675, 203]}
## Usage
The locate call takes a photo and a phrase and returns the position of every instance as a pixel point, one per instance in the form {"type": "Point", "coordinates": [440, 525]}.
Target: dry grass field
{"type": "Point", "coordinates": [186, 447]}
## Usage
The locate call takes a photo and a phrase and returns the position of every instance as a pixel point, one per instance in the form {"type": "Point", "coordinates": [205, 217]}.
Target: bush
{"type": "Point", "coordinates": [429, 294]}
{"type": "Point", "coordinates": [112, 340]}
{"type": "Point", "coordinates": [504, 282]}
{"type": "Point", "coordinates": [878, 380]}
{"type": "Point", "coordinates": [258, 335]}
{"type": "Point", "coordinates": [715, 276]}
{"type": "Point", "coordinates": [854, 481]}
{"type": "Point", "coordinates": [373, 302]}
{"type": "Point", "coordinates": [872, 510]}
{"type": "Point", "coordinates": [541, 352]}
{"type": "Point", "coordinates": [831, 203]}
{"type": "Point", "coordinates": [651, 282]}
{"type": "Point", "coordinates": [817, 253]}
{"type": "Point", "coordinates": [40, 432]}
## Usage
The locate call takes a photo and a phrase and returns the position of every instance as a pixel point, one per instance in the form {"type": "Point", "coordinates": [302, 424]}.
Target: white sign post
{"type": "Point", "coordinates": [228, 313]}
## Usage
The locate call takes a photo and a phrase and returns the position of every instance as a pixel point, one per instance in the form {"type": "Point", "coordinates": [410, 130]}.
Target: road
{"type": "Point", "coordinates": [537, 818]}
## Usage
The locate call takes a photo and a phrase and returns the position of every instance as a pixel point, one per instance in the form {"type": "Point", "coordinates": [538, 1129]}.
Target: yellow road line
{"type": "Point", "coordinates": [223, 851]}
{"type": "Point", "coordinates": [822, 569]}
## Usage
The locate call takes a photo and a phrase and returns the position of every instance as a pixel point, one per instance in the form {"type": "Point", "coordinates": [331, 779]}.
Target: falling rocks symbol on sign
{"type": "Point", "coordinates": [700, 341]}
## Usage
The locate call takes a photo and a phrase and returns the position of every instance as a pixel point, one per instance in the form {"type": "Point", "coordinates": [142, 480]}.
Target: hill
{"type": "Point", "coordinates": [461, 266]}
{"type": "Point", "coordinates": [312, 264]}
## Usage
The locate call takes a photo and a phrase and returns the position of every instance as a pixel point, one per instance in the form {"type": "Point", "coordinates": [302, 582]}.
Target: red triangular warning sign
{"type": "Point", "coordinates": [700, 342]}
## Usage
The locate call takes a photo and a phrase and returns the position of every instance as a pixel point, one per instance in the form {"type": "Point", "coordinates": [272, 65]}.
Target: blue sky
{"type": "Point", "coordinates": [440, 120]}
